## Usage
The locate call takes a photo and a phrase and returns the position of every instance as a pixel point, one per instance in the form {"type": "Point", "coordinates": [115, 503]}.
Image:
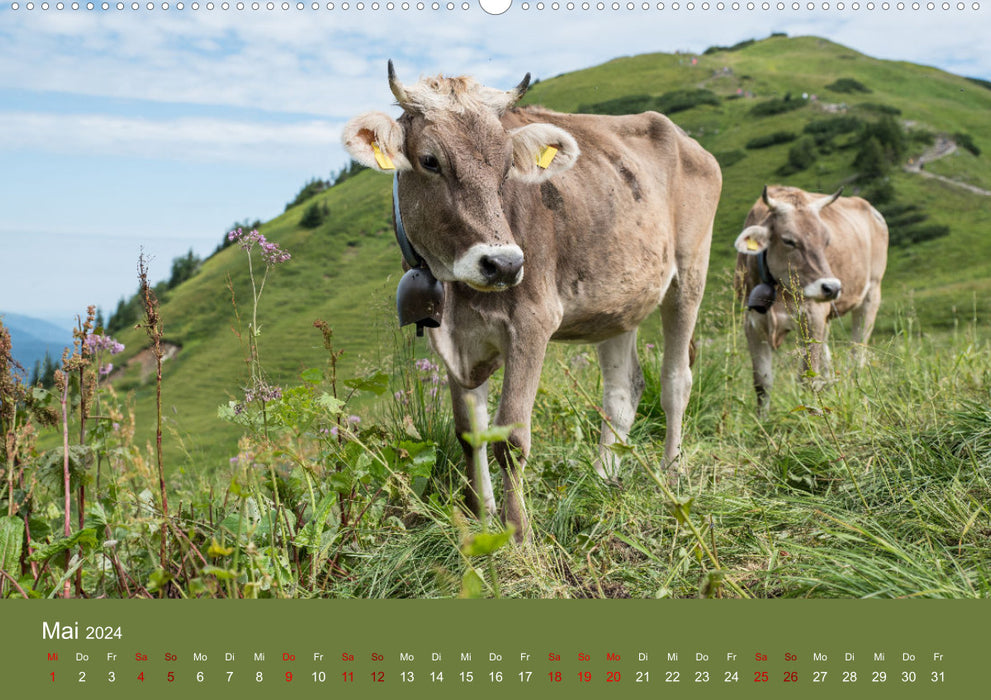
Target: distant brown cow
{"type": "Point", "coordinates": [546, 226]}
{"type": "Point", "coordinates": [805, 259]}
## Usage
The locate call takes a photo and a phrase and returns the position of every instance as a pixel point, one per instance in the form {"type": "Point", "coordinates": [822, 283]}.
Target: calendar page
{"type": "Point", "coordinates": [456, 349]}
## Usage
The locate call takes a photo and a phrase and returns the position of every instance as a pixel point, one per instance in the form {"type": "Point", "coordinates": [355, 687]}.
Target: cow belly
{"type": "Point", "coordinates": [594, 318]}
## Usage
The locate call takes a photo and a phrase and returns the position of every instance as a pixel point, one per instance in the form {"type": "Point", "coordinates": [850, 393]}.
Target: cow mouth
{"type": "Point", "coordinates": [488, 268]}
{"type": "Point", "coordinates": [826, 289]}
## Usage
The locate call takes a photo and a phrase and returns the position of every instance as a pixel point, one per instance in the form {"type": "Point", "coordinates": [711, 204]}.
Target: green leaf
{"type": "Point", "coordinates": [11, 544]}
{"type": "Point", "coordinates": [85, 538]}
{"type": "Point", "coordinates": [333, 404]}
{"type": "Point", "coordinates": [471, 585]}
{"type": "Point", "coordinates": [311, 535]}
{"type": "Point", "coordinates": [377, 383]}
{"type": "Point", "coordinates": [681, 508]}
{"type": "Point", "coordinates": [486, 542]}
{"type": "Point", "coordinates": [313, 375]}
{"type": "Point", "coordinates": [499, 433]}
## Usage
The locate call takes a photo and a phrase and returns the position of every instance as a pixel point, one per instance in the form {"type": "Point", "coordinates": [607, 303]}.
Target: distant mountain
{"type": "Point", "coordinates": [31, 338]}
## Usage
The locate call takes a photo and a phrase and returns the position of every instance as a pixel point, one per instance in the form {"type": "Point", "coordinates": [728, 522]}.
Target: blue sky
{"type": "Point", "coordinates": [123, 131]}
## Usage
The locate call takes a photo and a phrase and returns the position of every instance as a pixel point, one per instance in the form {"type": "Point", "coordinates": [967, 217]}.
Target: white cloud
{"type": "Point", "coordinates": [189, 139]}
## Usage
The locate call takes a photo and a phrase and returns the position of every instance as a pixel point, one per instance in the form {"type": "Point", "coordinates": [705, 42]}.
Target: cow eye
{"type": "Point", "coordinates": [790, 242]}
{"type": "Point", "coordinates": [430, 163]}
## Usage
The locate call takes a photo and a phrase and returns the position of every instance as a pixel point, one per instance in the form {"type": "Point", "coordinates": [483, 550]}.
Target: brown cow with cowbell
{"type": "Point", "coordinates": [541, 226]}
{"type": "Point", "coordinates": [803, 260]}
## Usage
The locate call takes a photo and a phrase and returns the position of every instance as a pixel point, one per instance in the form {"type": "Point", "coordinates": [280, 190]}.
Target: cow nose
{"type": "Point", "coordinates": [501, 268]}
{"type": "Point", "coordinates": [831, 290]}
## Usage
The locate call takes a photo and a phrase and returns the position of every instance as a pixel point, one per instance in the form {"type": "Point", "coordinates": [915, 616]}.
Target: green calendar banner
{"type": "Point", "coordinates": [488, 649]}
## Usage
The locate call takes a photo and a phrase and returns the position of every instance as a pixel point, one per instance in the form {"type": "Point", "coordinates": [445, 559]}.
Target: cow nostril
{"type": "Point", "coordinates": [500, 268]}
{"type": "Point", "coordinates": [830, 291]}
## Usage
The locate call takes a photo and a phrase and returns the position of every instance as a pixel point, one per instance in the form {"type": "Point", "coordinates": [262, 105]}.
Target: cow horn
{"type": "Point", "coordinates": [771, 204]}
{"type": "Point", "coordinates": [397, 87]}
{"type": "Point", "coordinates": [516, 94]}
{"type": "Point", "coordinates": [823, 203]}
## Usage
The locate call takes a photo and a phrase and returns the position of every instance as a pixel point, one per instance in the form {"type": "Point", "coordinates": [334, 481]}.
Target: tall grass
{"type": "Point", "coordinates": [874, 483]}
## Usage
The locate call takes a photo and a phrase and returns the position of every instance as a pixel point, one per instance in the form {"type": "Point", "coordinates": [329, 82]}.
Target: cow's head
{"type": "Point", "coordinates": [454, 156]}
{"type": "Point", "coordinates": [794, 238]}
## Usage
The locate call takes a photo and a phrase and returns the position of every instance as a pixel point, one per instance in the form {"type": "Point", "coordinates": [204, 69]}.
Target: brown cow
{"type": "Point", "coordinates": [805, 259]}
{"type": "Point", "coordinates": [546, 226]}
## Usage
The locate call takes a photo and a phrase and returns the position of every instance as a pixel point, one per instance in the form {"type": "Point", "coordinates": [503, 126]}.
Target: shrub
{"type": "Point", "coordinates": [310, 189]}
{"type": "Point", "coordinates": [771, 139]}
{"type": "Point", "coordinates": [728, 158]}
{"type": "Point", "coordinates": [901, 237]}
{"type": "Point", "coordinates": [824, 130]}
{"type": "Point", "coordinates": [681, 100]}
{"type": "Point", "coordinates": [313, 216]}
{"type": "Point", "coordinates": [800, 156]}
{"type": "Point", "coordinates": [966, 141]}
{"type": "Point", "coordinates": [777, 105]}
{"type": "Point", "coordinates": [668, 103]}
{"type": "Point", "coordinates": [628, 104]}
{"type": "Point", "coordinates": [878, 108]}
{"type": "Point", "coordinates": [848, 86]}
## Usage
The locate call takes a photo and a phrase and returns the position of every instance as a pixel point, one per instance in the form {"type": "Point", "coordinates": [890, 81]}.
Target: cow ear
{"type": "Point", "coordinates": [375, 140]}
{"type": "Point", "coordinates": [753, 240]}
{"type": "Point", "coordinates": [541, 151]}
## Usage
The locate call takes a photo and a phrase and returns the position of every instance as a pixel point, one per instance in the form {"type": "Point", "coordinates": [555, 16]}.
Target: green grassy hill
{"type": "Point", "coordinates": [345, 270]}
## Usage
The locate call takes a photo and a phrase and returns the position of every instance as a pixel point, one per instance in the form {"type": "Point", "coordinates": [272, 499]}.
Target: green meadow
{"type": "Point", "coordinates": [872, 484]}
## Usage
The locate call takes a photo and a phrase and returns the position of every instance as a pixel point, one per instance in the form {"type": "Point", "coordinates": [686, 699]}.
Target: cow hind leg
{"type": "Point", "coordinates": [622, 387]}
{"type": "Point", "coordinates": [470, 408]}
{"type": "Point", "coordinates": [679, 311]}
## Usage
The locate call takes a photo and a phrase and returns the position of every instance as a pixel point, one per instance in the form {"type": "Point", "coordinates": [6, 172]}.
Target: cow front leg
{"type": "Point", "coordinates": [622, 387]}
{"type": "Point", "coordinates": [863, 323]}
{"type": "Point", "coordinates": [813, 339]}
{"type": "Point", "coordinates": [519, 390]}
{"type": "Point", "coordinates": [471, 411]}
{"type": "Point", "coordinates": [759, 345]}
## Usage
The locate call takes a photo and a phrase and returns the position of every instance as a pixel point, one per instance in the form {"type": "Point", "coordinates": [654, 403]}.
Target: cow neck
{"type": "Point", "coordinates": [410, 255]}
{"type": "Point", "coordinates": [762, 269]}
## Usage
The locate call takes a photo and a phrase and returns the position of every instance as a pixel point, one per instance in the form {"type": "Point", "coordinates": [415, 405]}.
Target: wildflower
{"type": "Point", "coordinates": [95, 343]}
{"type": "Point", "coordinates": [425, 365]}
{"type": "Point", "coordinates": [271, 253]}
{"type": "Point", "coordinates": [354, 420]}
{"type": "Point", "coordinates": [106, 369]}
{"type": "Point", "coordinates": [649, 346]}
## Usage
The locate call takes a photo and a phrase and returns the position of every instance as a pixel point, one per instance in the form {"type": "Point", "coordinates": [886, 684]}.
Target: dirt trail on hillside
{"type": "Point", "coordinates": [943, 147]}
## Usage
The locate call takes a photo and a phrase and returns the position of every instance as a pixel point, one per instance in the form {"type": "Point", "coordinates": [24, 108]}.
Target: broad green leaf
{"type": "Point", "coordinates": [85, 538]}
{"type": "Point", "coordinates": [11, 544]}
{"type": "Point", "coordinates": [333, 404]}
{"type": "Point", "coordinates": [486, 542]}
{"type": "Point", "coordinates": [499, 433]}
{"type": "Point", "coordinates": [681, 508]}
{"type": "Point", "coordinates": [471, 585]}
{"type": "Point", "coordinates": [377, 383]}
{"type": "Point", "coordinates": [313, 375]}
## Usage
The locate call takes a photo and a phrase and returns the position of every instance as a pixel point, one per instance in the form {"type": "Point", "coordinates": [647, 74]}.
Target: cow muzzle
{"type": "Point", "coordinates": [490, 268]}
{"type": "Point", "coordinates": [824, 289]}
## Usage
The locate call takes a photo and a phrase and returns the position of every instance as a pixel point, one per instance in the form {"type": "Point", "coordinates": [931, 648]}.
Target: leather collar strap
{"type": "Point", "coordinates": [765, 273]}
{"type": "Point", "coordinates": [412, 258]}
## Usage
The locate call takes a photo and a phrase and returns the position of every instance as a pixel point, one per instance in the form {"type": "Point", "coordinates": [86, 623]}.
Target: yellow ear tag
{"type": "Point", "coordinates": [546, 156]}
{"type": "Point", "coordinates": [752, 244]}
{"type": "Point", "coordinates": [384, 161]}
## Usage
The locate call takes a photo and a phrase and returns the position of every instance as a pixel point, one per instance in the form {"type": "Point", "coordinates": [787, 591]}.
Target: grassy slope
{"type": "Point", "coordinates": [345, 271]}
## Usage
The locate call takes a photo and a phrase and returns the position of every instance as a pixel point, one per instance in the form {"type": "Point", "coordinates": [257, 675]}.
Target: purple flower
{"type": "Point", "coordinates": [271, 253]}
{"type": "Point", "coordinates": [95, 343]}
{"type": "Point", "coordinates": [354, 420]}
{"type": "Point", "coordinates": [106, 369]}
{"type": "Point", "coordinates": [425, 365]}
